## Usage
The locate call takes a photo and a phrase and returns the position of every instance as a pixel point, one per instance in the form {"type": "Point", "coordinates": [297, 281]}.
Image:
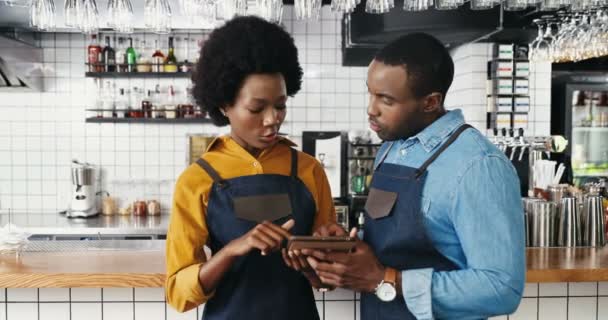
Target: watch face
{"type": "Point", "coordinates": [386, 292]}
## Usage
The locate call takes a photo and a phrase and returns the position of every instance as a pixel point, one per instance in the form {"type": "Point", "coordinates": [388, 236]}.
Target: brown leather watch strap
{"type": "Point", "coordinates": [390, 276]}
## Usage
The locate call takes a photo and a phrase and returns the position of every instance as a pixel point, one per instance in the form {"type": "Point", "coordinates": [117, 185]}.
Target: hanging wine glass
{"type": "Point", "coordinates": [344, 6]}
{"type": "Point", "coordinates": [271, 10]}
{"type": "Point", "coordinates": [42, 15]}
{"type": "Point", "coordinates": [89, 17]}
{"type": "Point", "coordinates": [379, 6]}
{"type": "Point", "coordinates": [418, 5]}
{"type": "Point", "coordinates": [447, 4]}
{"type": "Point", "coordinates": [157, 16]}
{"type": "Point", "coordinates": [307, 9]}
{"type": "Point", "coordinates": [71, 13]}
{"type": "Point", "coordinates": [120, 15]}
{"type": "Point", "coordinates": [232, 8]}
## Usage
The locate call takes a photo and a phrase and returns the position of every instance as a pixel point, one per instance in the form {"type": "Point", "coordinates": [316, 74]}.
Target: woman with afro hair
{"type": "Point", "coordinates": [250, 190]}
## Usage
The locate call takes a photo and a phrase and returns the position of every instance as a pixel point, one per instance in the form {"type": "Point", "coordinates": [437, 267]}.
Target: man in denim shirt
{"type": "Point", "coordinates": [444, 229]}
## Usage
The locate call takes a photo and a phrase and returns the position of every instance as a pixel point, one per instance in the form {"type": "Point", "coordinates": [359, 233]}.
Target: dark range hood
{"type": "Point", "coordinates": [363, 34]}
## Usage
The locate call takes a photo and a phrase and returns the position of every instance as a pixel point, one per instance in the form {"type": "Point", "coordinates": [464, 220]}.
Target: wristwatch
{"type": "Point", "coordinates": [386, 291]}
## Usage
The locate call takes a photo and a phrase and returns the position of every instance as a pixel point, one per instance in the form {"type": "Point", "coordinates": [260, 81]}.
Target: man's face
{"type": "Point", "coordinates": [394, 112]}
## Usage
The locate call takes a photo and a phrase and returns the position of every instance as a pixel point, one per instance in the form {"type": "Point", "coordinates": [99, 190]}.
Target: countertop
{"type": "Point", "coordinates": [57, 224]}
{"type": "Point", "coordinates": [91, 264]}
{"type": "Point", "coordinates": [141, 263]}
{"type": "Point", "coordinates": [567, 264]}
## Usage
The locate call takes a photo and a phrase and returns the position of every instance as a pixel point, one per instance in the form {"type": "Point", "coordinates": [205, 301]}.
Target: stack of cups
{"type": "Point", "coordinates": [569, 234]}
{"type": "Point", "coordinates": [593, 222]}
{"type": "Point", "coordinates": [543, 223]}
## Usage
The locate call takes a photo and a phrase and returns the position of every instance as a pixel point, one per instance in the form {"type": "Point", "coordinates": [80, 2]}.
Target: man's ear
{"type": "Point", "coordinates": [433, 102]}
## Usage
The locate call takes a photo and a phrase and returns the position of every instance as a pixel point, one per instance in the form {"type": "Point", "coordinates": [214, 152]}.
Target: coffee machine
{"type": "Point", "coordinates": [83, 202]}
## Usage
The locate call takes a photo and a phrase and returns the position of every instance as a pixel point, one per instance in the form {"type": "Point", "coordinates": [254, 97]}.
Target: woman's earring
{"type": "Point", "coordinates": [223, 112]}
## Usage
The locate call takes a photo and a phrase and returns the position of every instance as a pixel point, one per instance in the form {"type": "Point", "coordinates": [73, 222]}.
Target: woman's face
{"type": "Point", "coordinates": [258, 112]}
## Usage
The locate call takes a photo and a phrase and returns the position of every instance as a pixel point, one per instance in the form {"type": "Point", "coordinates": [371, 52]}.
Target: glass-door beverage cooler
{"type": "Point", "coordinates": [580, 113]}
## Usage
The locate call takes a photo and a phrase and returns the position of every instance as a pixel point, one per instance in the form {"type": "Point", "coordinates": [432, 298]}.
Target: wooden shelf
{"type": "Point", "coordinates": [138, 74]}
{"type": "Point", "coordinates": [148, 120]}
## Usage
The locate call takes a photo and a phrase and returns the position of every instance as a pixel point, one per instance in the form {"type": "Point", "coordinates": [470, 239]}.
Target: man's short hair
{"type": "Point", "coordinates": [428, 63]}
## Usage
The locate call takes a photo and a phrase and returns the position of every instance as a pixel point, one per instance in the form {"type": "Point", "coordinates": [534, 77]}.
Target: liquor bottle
{"type": "Point", "coordinates": [158, 58]}
{"type": "Point", "coordinates": [171, 61]}
{"type": "Point", "coordinates": [121, 56]}
{"type": "Point", "coordinates": [93, 54]}
{"type": "Point", "coordinates": [109, 57]}
{"type": "Point", "coordinates": [131, 57]}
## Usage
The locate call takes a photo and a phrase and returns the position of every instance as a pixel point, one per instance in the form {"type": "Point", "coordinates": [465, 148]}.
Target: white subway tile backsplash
{"type": "Point", "coordinates": [54, 294]}
{"type": "Point", "coordinates": [340, 294]}
{"type": "Point", "coordinates": [117, 311]}
{"type": "Point", "coordinates": [582, 289]}
{"type": "Point", "coordinates": [85, 294]}
{"type": "Point", "coordinates": [602, 310]}
{"type": "Point", "coordinates": [22, 294]}
{"type": "Point", "coordinates": [552, 309]}
{"type": "Point", "coordinates": [531, 290]}
{"type": "Point", "coordinates": [339, 310]}
{"type": "Point", "coordinates": [22, 311]}
{"type": "Point", "coordinates": [54, 311]}
{"type": "Point", "coordinates": [174, 315]}
{"type": "Point", "coordinates": [86, 311]}
{"type": "Point", "coordinates": [582, 308]}
{"type": "Point", "coordinates": [117, 294]}
{"type": "Point", "coordinates": [603, 288]}
{"type": "Point", "coordinates": [553, 289]}
{"type": "Point", "coordinates": [150, 294]}
{"type": "Point", "coordinates": [149, 311]}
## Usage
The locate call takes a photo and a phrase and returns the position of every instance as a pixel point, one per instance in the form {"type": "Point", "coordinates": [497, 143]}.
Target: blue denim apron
{"type": "Point", "coordinates": [394, 228]}
{"type": "Point", "coordinates": [256, 286]}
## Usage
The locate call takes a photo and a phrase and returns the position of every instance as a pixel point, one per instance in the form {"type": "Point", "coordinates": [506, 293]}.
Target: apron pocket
{"type": "Point", "coordinates": [380, 203]}
{"type": "Point", "coordinates": [258, 208]}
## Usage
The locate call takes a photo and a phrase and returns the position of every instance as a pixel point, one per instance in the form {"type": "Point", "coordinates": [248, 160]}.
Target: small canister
{"type": "Point", "coordinates": [153, 208]}
{"type": "Point", "coordinates": [108, 206]}
{"type": "Point", "coordinates": [140, 208]}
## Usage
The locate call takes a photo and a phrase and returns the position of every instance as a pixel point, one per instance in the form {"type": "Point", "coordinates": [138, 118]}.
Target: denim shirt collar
{"type": "Point", "coordinates": [439, 130]}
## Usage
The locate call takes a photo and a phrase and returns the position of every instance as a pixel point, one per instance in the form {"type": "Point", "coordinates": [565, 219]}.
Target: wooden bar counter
{"type": "Point", "coordinates": [141, 263]}
{"type": "Point", "coordinates": [567, 264]}
{"type": "Point", "coordinates": [91, 264]}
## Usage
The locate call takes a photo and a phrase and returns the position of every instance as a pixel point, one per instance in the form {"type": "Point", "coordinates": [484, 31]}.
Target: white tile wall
{"type": "Point", "coordinates": [54, 311]}
{"type": "Point", "coordinates": [85, 311]}
{"type": "Point", "coordinates": [117, 311]}
{"type": "Point", "coordinates": [22, 311]}
{"type": "Point", "coordinates": [553, 309]}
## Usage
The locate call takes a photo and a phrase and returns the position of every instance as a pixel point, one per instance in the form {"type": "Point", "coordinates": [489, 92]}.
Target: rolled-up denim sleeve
{"type": "Point", "coordinates": [487, 216]}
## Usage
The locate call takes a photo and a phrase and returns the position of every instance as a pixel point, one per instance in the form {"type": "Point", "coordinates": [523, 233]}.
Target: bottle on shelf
{"type": "Point", "coordinates": [146, 105]}
{"type": "Point", "coordinates": [143, 62]}
{"type": "Point", "coordinates": [170, 60]}
{"type": "Point", "coordinates": [131, 57]}
{"type": "Point", "coordinates": [109, 57]}
{"type": "Point", "coordinates": [121, 56]}
{"type": "Point", "coordinates": [170, 106]}
{"type": "Point", "coordinates": [122, 104]}
{"type": "Point", "coordinates": [94, 55]}
{"type": "Point", "coordinates": [158, 58]}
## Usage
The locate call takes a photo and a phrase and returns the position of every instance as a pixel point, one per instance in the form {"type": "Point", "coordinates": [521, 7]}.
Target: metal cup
{"type": "Point", "coordinates": [543, 223]}
{"type": "Point", "coordinates": [569, 234]}
{"type": "Point", "coordinates": [593, 221]}
{"type": "Point", "coordinates": [557, 192]}
{"type": "Point", "coordinates": [528, 204]}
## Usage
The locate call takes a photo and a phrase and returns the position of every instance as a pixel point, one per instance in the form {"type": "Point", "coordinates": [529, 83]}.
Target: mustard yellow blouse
{"type": "Point", "coordinates": [188, 233]}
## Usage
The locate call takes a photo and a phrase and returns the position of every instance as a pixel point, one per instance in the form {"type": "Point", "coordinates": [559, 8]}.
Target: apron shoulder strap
{"type": "Point", "coordinates": [435, 155]}
{"type": "Point", "coordinates": [210, 171]}
{"type": "Point", "coordinates": [294, 163]}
